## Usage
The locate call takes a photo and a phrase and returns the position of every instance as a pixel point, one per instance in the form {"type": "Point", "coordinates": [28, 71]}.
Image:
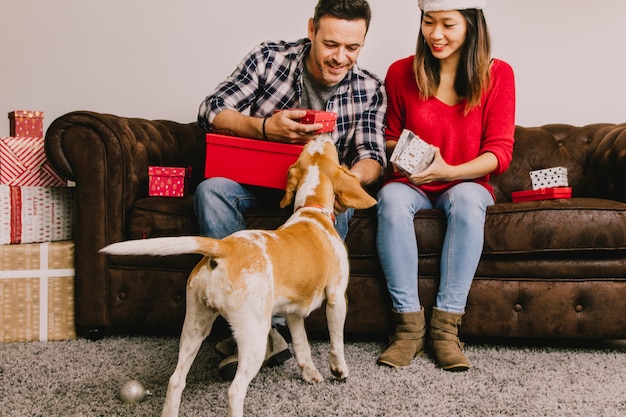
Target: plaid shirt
{"type": "Point", "coordinates": [270, 78]}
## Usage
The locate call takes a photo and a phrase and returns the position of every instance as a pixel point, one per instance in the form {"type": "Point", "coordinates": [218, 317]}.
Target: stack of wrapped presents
{"type": "Point", "coordinates": [36, 247]}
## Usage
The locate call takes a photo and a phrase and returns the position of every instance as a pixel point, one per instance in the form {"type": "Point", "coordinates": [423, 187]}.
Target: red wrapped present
{"type": "Point", "coordinates": [35, 214]}
{"type": "Point", "coordinates": [541, 194]}
{"type": "Point", "coordinates": [23, 162]}
{"type": "Point", "coordinates": [250, 161]}
{"type": "Point", "coordinates": [168, 181]}
{"type": "Point", "coordinates": [326, 118]}
{"type": "Point", "coordinates": [26, 123]}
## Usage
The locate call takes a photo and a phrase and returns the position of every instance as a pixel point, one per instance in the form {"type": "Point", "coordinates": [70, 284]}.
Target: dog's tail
{"type": "Point", "coordinates": [163, 246]}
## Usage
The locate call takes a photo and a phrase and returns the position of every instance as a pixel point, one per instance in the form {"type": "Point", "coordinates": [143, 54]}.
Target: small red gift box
{"type": "Point", "coordinates": [26, 123]}
{"type": "Point", "coordinates": [167, 181]}
{"type": "Point", "coordinates": [250, 161]}
{"type": "Point", "coordinates": [541, 194]}
{"type": "Point", "coordinates": [326, 118]}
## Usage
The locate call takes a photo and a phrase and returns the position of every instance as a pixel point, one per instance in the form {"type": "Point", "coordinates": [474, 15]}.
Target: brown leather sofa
{"type": "Point", "coordinates": [550, 269]}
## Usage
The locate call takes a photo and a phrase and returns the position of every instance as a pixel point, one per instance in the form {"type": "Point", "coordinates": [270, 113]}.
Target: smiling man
{"type": "Point", "coordinates": [319, 72]}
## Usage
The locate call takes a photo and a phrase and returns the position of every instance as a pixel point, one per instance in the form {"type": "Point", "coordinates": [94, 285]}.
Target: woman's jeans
{"type": "Point", "coordinates": [220, 204]}
{"type": "Point", "coordinates": [464, 206]}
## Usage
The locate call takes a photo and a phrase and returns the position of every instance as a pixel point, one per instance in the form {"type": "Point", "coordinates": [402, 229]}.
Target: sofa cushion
{"type": "Point", "coordinates": [162, 216]}
{"type": "Point", "coordinates": [563, 225]}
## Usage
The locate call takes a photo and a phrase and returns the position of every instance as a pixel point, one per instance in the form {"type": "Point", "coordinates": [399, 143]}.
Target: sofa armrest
{"type": "Point", "coordinates": [107, 156]}
{"type": "Point", "coordinates": [606, 166]}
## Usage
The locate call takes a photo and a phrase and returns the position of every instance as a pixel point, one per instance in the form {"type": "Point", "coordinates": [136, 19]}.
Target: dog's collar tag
{"type": "Point", "coordinates": [321, 209]}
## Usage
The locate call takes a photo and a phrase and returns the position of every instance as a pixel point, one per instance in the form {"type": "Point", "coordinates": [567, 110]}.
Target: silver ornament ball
{"type": "Point", "coordinates": [133, 392]}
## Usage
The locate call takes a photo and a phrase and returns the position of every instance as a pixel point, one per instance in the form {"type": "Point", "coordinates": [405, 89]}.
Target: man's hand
{"type": "Point", "coordinates": [283, 126]}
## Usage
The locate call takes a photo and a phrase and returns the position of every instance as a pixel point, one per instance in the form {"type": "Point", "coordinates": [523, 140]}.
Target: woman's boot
{"type": "Point", "coordinates": [444, 340]}
{"type": "Point", "coordinates": [408, 340]}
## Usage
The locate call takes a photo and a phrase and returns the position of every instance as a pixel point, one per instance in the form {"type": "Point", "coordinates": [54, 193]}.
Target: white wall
{"type": "Point", "coordinates": [160, 58]}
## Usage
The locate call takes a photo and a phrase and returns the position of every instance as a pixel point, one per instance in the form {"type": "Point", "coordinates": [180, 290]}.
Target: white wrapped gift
{"type": "Point", "coordinates": [35, 214]}
{"type": "Point", "coordinates": [549, 178]}
{"type": "Point", "coordinates": [411, 153]}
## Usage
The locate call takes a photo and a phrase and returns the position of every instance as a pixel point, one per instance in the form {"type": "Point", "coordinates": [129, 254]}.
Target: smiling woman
{"type": "Point", "coordinates": [458, 99]}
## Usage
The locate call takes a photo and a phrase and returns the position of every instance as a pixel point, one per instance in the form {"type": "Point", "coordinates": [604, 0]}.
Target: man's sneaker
{"type": "Point", "coordinates": [277, 352]}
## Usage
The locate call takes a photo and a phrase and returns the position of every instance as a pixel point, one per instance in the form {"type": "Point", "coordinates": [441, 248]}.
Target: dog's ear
{"type": "Point", "coordinates": [349, 192]}
{"type": "Point", "coordinates": [292, 184]}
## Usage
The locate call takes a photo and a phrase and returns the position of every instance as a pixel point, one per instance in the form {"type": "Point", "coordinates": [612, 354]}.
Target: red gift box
{"type": "Point", "coordinates": [23, 163]}
{"type": "Point", "coordinates": [26, 123]}
{"type": "Point", "coordinates": [250, 161]}
{"type": "Point", "coordinates": [541, 194]}
{"type": "Point", "coordinates": [167, 181]}
{"type": "Point", "coordinates": [326, 118]}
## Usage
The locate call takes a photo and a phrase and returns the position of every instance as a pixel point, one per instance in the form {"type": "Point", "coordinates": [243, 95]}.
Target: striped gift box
{"type": "Point", "coordinates": [35, 214]}
{"type": "Point", "coordinates": [37, 292]}
{"type": "Point", "coordinates": [23, 162]}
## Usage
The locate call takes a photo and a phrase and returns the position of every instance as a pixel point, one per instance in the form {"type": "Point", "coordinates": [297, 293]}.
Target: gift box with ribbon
{"type": "Point", "coordinates": [37, 292]}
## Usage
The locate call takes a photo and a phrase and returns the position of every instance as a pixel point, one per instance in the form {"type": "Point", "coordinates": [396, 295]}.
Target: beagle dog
{"type": "Point", "coordinates": [253, 274]}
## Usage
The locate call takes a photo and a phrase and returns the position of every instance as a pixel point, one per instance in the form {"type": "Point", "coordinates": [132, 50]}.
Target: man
{"type": "Point", "coordinates": [320, 73]}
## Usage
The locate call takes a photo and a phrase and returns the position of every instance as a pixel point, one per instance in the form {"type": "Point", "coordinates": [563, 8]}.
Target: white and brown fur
{"type": "Point", "coordinates": [253, 274]}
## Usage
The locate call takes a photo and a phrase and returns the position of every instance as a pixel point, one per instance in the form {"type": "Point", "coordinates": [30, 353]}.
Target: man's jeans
{"type": "Point", "coordinates": [220, 205]}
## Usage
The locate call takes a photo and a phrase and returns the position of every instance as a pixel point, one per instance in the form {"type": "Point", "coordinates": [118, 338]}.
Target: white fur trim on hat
{"type": "Point", "coordinates": [444, 5]}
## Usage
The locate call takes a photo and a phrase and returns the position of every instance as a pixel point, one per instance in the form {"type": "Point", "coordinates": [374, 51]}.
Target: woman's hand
{"type": "Point", "coordinates": [438, 170]}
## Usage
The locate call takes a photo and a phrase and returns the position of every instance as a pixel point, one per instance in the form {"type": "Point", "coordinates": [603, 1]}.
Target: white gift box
{"type": "Point", "coordinates": [35, 214]}
{"type": "Point", "coordinates": [549, 178]}
{"type": "Point", "coordinates": [411, 153]}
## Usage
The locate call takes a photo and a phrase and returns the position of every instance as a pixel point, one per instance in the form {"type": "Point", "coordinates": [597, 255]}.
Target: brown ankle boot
{"type": "Point", "coordinates": [408, 340]}
{"type": "Point", "coordinates": [444, 341]}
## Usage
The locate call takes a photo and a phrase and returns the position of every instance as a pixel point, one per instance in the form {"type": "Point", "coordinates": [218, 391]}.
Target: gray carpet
{"type": "Point", "coordinates": [82, 378]}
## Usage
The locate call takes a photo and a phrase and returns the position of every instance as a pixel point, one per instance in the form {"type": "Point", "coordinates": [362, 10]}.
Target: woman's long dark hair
{"type": "Point", "coordinates": [472, 76]}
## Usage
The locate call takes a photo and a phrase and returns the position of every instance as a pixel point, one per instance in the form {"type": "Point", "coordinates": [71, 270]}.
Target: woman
{"type": "Point", "coordinates": [462, 102]}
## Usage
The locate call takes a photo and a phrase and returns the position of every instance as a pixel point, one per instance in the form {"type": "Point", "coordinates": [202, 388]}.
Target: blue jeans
{"type": "Point", "coordinates": [464, 205]}
{"type": "Point", "coordinates": [220, 205]}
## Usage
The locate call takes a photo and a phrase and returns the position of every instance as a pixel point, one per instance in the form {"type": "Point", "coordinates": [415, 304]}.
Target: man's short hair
{"type": "Point", "coordinates": [343, 9]}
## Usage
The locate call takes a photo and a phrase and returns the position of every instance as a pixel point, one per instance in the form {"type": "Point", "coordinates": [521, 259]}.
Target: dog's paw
{"type": "Point", "coordinates": [311, 375]}
{"type": "Point", "coordinates": [338, 366]}
{"type": "Point", "coordinates": [340, 372]}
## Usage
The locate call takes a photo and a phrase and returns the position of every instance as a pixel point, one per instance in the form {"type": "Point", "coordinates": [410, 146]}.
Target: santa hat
{"type": "Point", "coordinates": [444, 5]}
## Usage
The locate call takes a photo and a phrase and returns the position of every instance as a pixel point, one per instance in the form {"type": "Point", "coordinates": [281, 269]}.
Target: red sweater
{"type": "Point", "coordinates": [461, 138]}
